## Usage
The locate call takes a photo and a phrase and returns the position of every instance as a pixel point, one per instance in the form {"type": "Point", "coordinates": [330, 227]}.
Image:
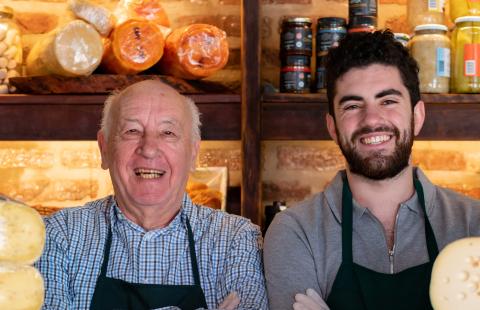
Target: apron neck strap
{"type": "Point", "coordinates": [347, 211]}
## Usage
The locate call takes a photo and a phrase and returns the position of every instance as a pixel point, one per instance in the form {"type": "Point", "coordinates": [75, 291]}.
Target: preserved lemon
{"type": "Point", "coordinates": [431, 49]}
{"type": "Point", "coordinates": [459, 8]}
{"type": "Point", "coordinates": [466, 55]}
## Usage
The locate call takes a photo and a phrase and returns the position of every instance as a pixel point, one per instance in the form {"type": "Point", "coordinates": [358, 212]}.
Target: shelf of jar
{"type": "Point", "coordinates": [77, 117]}
{"type": "Point", "coordinates": [302, 117]}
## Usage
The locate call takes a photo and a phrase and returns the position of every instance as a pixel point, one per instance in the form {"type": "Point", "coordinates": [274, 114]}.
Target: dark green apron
{"type": "Point", "coordinates": [113, 293]}
{"type": "Point", "coordinates": [358, 288]}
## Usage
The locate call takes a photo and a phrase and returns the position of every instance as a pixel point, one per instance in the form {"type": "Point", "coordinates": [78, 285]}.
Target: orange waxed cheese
{"type": "Point", "coordinates": [133, 46]}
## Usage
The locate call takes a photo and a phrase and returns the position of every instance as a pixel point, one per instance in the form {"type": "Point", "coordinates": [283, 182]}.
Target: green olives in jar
{"type": "Point", "coordinates": [466, 55]}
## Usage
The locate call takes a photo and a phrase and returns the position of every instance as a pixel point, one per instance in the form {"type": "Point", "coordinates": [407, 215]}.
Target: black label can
{"type": "Point", "coordinates": [295, 79]}
{"type": "Point", "coordinates": [330, 30]}
{"type": "Point", "coordinates": [362, 8]}
{"type": "Point", "coordinates": [296, 36]}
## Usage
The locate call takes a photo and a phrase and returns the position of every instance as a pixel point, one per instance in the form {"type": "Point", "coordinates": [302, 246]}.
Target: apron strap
{"type": "Point", "coordinates": [347, 211]}
{"type": "Point", "coordinates": [432, 246]}
{"type": "Point", "coordinates": [193, 256]}
{"type": "Point", "coordinates": [106, 252]}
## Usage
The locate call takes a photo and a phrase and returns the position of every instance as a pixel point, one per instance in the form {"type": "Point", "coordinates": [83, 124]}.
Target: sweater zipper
{"type": "Point", "coordinates": [391, 252]}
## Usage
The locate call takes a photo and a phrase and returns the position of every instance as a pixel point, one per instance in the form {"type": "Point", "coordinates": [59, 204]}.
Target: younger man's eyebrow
{"type": "Point", "coordinates": [387, 92]}
{"type": "Point", "coordinates": [349, 98]}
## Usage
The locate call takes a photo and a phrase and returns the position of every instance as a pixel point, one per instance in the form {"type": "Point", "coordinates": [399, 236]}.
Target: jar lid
{"type": "Point", "coordinates": [431, 27]}
{"type": "Point", "coordinates": [298, 20]}
{"type": "Point", "coordinates": [360, 20]}
{"type": "Point", "coordinates": [467, 19]}
{"type": "Point", "coordinates": [332, 20]}
{"type": "Point", "coordinates": [6, 11]}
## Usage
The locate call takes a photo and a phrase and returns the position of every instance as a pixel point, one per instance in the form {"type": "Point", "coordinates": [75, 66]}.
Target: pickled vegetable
{"type": "Point", "coordinates": [459, 8]}
{"type": "Point", "coordinates": [466, 55]}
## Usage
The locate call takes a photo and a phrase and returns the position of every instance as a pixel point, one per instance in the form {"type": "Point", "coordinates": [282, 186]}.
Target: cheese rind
{"type": "Point", "coordinates": [21, 287]}
{"type": "Point", "coordinates": [455, 282]}
{"type": "Point", "coordinates": [99, 17]}
{"type": "Point", "coordinates": [22, 233]}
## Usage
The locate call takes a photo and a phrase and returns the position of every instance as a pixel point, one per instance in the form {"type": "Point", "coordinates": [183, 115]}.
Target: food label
{"type": "Point", "coordinates": [471, 59]}
{"type": "Point", "coordinates": [443, 61]}
{"type": "Point", "coordinates": [327, 38]}
{"type": "Point", "coordinates": [434, 5]}
{"type": "Point", "coordinates": [473, 0]}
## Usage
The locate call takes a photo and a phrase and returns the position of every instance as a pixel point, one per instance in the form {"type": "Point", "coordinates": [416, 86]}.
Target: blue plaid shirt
{"type": "Point", "coordinates": [228, 251]}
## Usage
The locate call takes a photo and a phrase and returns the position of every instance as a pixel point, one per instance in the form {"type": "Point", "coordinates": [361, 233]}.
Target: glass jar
{"type": "Point", "coordinates": [10, 49]}
{"type": "Point", "coordinates": [362, 24]}
{"type": "Point", "coordinates": [459, 8]}
{"type": "Point", "coordinates": [362, 8]}
{"type": "Point", "coordinates": [430, 46]}
{"type": "Point", "coordinates": [421, 12]}
{"type": "Point", "coordinates": [296, 36]}
{"type": "Point", "coordinates": [466, 55]}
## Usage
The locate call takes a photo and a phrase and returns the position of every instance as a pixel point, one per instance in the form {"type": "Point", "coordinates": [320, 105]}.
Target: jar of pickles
{"type": "Point", "coordinates": [430, 47]}
{"type": "Point", "coordinates": [459, 8]}
{"type": "Point", "coordinates": [10, 49]}
{"type": "Point", "coordinates": [421, 12]}
{"type": "Point", "coordinates": [466, 55]}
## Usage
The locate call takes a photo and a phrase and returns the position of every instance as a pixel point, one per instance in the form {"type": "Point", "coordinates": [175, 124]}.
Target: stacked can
{"type": "Point", "coordinates": [362, 15]}
{"type": "Point", "coordinates": [295, 54]}
{"type": "Point", "coordinates": [330, 30]}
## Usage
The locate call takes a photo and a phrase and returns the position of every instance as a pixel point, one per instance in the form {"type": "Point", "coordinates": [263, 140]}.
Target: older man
{"type": "Point", "coordinates": [148, 246]}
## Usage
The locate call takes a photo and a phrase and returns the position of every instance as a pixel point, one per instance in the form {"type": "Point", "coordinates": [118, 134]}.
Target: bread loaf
{"type": "Point", "coordinates": [21, 287]}
{"type": "Point", "coordinates": [73, 50]}
{"type": "Point", "coordinates": [194, 52]}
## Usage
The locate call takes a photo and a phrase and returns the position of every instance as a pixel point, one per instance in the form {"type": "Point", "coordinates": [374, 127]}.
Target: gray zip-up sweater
{"type": "Point", "coordinates": [303, 246]}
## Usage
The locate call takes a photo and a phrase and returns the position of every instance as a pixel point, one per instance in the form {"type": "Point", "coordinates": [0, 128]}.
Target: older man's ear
{"type": "Point", "coordinates": [102, 145]}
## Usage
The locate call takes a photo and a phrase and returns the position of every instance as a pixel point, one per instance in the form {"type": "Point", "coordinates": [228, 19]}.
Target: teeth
{"type": "Point", "coordinates": [149, 173]}
{"type": "Point", "coordinates": [376, 139]}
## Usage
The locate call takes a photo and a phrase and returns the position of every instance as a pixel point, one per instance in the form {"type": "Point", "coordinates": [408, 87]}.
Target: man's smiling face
{"type": "Point", "coordinates": [374, 124]}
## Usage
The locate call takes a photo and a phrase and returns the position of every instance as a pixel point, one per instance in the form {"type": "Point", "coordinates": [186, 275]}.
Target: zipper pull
{"type": "Point", "coordinates": [390, 257]}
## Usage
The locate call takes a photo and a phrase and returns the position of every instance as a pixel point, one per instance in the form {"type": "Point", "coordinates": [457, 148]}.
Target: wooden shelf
{"type": "Point", "coordinates": [302, 117]}
{"type": "Point", "coordinates": [77, 117]}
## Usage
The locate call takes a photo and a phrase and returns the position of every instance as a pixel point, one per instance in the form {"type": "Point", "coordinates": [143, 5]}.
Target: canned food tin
{"type": "Point", "coordinates": [330, 30]}
{"type": "Point", "coordinates": [296, 36]}
{"type": "Point", "coordinates": [295, 79]}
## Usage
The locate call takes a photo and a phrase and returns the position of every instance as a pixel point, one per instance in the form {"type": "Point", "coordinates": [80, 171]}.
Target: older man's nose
{"type": "Point", "coordinates": [149, 146]}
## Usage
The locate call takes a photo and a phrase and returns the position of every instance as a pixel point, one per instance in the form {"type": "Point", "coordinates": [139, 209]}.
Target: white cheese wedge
{"type": "Point", "coordinates": [21, 287]}
{"type": "Point", "coordinates": [75, 49]}
{"type": "Point", "coordinates": [455, 282]}
{"type": "Point", "coordinates": [101, 18]}
{"type": "Point", "coordinates": [22, 234]}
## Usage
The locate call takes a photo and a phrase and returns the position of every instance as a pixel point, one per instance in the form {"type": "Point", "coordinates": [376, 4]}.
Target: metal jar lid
{"type": "Point", "coordinates": [299, 20]}
{"type": "Point", "coordinates": [332, 21]}
{"type": "Point", "coordinates": [467, 19]}
{"type": "Point", "coordinates": [431, 27]}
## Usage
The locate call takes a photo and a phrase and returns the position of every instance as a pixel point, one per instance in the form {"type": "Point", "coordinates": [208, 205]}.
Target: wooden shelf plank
{"type": "Point", "coordinates": [302, 117]}
{"type": "Point", "coordinates": [77, 117]}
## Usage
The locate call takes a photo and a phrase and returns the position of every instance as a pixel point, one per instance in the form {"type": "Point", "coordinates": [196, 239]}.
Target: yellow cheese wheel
{"type": "Point", "coordinates": [22, 233]}
{"type": "Point", "coordinates": [21, 287]}
{"type": "Point", "coordinates": [73, 50]}
{"type": "Point", "coordinates": [455, 282]}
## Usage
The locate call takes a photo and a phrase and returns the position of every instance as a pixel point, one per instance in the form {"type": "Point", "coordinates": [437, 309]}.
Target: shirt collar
{"type": "Point", "coordinates": [117, 217]}
{"type": "Point", "coordinates": [333, 194]}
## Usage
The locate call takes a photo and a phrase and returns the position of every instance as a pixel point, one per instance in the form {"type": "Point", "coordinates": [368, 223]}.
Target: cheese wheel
{"type": "Point", "coordinates": [99, 17]}
{"type": "Point", "coordinates": [455, 282]}
{"type": "Point", "coordinates": [21, 287]}
{"type": "Point", "coordinates": [151, 10]}
{"type": "Point", "coordinates": [22, 233]}
{"type": "Point", "coordinates": [73, 50]}
{"type": "Point", "coordinates": [194, 52]}
{"type": "Point", "coordinates": [134, 46]}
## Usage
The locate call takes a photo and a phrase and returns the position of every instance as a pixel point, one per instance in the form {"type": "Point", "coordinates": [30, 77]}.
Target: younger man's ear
{"type": "Point", "coordinates": [331, 127]}
{"type": "Point", "coordinates": [418, 117]}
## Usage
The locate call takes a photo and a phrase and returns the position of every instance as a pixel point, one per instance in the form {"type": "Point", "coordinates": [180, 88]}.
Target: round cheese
{"type": "Point", "coordinates": [21, 287]}
{"type": "Point", "coordinates": [22, 233]}
{"type": "Point", "coordinates": [455, 282]}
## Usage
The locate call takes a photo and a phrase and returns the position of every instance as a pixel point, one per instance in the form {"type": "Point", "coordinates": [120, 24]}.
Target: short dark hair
{"type": "Point", "coordinates": [362, 49]}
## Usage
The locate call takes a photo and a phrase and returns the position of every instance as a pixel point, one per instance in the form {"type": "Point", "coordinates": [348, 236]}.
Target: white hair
{"type": "Point", "coordinates": [105, 125]}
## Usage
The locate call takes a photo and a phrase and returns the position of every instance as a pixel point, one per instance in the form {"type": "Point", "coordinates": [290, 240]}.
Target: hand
{"type": "Point", "coordinates": [230, 302]}
{"type": "Point", "coordinates": [309, 301]}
